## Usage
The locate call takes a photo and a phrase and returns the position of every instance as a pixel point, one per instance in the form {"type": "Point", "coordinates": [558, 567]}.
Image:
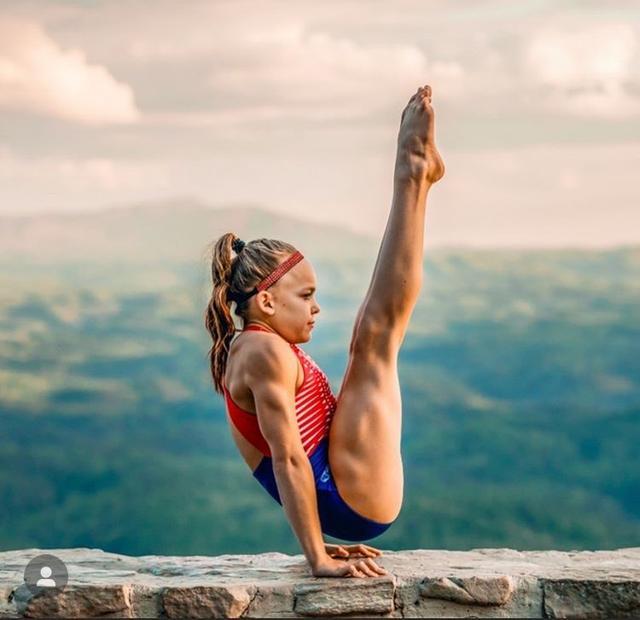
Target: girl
{"type": "Point", "coordinates": [334, 464]}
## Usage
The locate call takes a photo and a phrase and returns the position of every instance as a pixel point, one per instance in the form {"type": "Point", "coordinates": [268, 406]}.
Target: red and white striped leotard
{"type": "Point", "coordinates": [315, 405]}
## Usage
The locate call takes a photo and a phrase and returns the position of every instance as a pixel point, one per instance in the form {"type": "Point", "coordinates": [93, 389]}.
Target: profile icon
{"type": "Point", "coordinates": [45, 572]}
{"type": "Point", "coordinates": [45, 581]}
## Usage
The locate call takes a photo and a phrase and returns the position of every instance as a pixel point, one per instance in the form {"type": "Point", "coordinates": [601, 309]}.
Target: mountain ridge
{"type": "Point", "coordinates": [184, 229]}
{"type": "Point", "coordinates": [173, 229]}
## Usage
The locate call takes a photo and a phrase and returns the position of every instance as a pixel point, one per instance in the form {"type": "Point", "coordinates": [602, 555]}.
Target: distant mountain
{"type": "Point", "coordinates": [168, 231]}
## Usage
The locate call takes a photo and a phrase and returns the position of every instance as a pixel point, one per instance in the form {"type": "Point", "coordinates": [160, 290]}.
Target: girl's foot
{"type": "Point", "coordinates": [418, 157]}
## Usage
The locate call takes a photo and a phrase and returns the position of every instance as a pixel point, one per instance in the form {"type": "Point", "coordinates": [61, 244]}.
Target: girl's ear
{"type": "Point", "coordinates": [264, 299]}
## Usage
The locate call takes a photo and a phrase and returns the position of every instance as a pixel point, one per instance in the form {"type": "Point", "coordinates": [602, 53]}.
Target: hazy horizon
{"type": "Point", "coordinates": [429, 244]}
{"type": "Point", "coordinates": [296, 110]}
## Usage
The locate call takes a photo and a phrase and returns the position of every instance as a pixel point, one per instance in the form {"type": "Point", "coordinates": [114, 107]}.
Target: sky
{"type": "Point", "coordinates": [295, 106]}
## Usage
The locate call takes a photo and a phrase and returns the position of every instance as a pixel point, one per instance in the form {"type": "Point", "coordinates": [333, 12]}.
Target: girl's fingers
{"type": "Point", "coordinates": [336, 551]}
{"type": "Point", "coordinates": [378, 569]}
{"type": "Point", "coordinates": [364, 550]}
{"type": "Point", "coordinates": [366, 569]}
{"type": "Point", "coordinates": [372, 550]}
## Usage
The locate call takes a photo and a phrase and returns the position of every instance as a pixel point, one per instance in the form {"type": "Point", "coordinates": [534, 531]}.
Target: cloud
{"type": "Point", "coordinates": [269, 62]}
{"type": "Point", "coordinates": [291, 73]}
{"type": "Point", "coordinates": [589, 71]}
{"type": "Point", "coordinates": [322, 76]}
{"type": "Point", "coordinates": [37, 76]}
{"type": "Point", "coordinates": [101, 176]}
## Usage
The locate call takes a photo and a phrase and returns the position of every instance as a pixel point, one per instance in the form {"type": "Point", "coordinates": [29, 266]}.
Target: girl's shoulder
{"type": "Point", "coordinates": [260, 347]}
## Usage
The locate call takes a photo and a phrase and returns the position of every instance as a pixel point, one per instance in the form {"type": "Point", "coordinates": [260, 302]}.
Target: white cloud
{"type": "Point", "coordinates": [296, 73]}
{"type": "Point", "coordinates": [54, 177]}
{"type": "Point", "coordinates": [586, 71]}
{"type": "Point", "coordinates": [269, 62]}
{"type": "Point", "coordinates": [36, 75]}
{"type": "Point", "coordinates": [321, 76]}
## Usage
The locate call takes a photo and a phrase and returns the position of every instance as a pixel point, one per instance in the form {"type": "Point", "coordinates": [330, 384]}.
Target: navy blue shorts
{"type": "Point", "coordinates": [337, 518]}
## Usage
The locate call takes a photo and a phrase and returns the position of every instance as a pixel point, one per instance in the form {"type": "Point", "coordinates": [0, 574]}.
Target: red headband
{"type": "Point", "coordinates": [271, 279]}
{"type": "Point", "coordinates": [277, 273]}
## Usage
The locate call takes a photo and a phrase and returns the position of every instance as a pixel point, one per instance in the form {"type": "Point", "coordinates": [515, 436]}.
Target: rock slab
{"type": "Point", "coordinates": [423, 583]}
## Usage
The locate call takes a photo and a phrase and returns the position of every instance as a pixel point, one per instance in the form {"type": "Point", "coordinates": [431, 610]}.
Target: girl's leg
{"type": "Point", "coordinates": [364, 439]}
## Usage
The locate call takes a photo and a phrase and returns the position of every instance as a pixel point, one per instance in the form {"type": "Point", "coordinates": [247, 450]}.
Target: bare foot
{"type": "Point", "coordinates": [418, 157]}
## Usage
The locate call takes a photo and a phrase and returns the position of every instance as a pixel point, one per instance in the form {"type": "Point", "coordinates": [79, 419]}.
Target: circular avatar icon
{"type": "Point", "coordinates": [45, 571]}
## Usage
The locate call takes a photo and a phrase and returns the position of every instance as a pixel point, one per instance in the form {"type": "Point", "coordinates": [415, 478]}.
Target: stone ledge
{"type": "Point", "coordinates": [481, 583]}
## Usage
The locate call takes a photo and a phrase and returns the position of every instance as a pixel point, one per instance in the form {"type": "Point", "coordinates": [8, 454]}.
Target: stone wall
{"type": "Point", "coordinates": [421, 584]}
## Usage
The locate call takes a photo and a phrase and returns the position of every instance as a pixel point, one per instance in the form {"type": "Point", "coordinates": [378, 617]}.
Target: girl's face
{"type": "Point", "coordinates": [294, 303]}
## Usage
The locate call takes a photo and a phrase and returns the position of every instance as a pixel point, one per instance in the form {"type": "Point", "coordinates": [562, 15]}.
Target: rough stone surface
{"type": "Point", "coordinates": [422, 584]}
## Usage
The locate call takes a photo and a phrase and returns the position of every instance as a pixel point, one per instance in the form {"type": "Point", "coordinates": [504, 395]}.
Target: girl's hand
{"type": "Point", "coordinates": [330, 567]}
{"type": "Point", "coordinates": [351, 551]}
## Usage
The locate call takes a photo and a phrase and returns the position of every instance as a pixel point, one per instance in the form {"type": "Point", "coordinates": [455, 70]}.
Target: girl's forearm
{"type": "Point", "coordinates": [296, 487]}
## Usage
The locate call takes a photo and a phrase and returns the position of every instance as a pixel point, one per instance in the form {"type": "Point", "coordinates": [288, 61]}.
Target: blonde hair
{"type": "Point", "coordinates": [232, 276]}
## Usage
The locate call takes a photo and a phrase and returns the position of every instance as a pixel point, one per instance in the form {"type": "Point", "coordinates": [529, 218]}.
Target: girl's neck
{"type": "Point", "coordinates": [261, 325]}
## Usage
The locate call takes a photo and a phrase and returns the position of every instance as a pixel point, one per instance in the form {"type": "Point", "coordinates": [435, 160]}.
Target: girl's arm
{"type": "Point", "coordinates": [272, 381]}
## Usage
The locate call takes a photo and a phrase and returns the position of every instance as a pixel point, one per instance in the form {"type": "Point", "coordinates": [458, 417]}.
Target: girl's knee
{"type": "Point", "coordinates": [374, 341]}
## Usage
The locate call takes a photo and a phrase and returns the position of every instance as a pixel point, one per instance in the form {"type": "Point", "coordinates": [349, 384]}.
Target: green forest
{"type": "Point", "coordinates": [520, 379]}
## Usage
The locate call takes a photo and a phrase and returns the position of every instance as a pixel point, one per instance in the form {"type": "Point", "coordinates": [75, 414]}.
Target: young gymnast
{"type": "Point", "coordinates": [333, 463]}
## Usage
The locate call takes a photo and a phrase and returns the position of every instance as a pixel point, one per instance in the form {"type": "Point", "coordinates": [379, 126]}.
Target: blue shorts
{"type": "Point", "coordinates": [337, 518]}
